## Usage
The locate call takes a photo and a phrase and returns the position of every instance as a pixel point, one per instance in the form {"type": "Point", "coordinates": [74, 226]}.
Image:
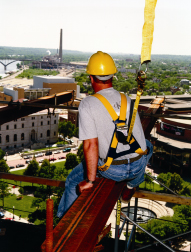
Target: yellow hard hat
{"type": "Point", "coordinates": [101, 63]}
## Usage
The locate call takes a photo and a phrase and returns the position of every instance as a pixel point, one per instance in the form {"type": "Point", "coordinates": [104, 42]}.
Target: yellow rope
{"type": "Point", "coordinates": [148, 28]}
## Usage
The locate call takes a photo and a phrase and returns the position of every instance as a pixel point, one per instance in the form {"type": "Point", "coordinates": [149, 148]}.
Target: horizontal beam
{"type": "Point", "coordinates": [163, 197]}
{"type": "Point", "coordinates": [37, 180]}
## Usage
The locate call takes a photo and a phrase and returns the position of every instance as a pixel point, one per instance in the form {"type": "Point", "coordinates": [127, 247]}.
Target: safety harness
{"type": "Point", "coordinates": [120, 133]}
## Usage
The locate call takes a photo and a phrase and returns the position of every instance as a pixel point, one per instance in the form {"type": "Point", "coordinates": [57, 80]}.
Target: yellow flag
{"type": "Point", "coordinates": [148, 28]}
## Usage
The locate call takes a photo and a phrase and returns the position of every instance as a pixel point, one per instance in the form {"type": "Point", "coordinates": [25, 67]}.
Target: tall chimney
{"type": "Point", "coordinates": [60, 48]}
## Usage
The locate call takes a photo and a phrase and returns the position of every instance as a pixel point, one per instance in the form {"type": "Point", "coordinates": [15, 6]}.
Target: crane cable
{"type": "Point", "coordinates": [147, 38]}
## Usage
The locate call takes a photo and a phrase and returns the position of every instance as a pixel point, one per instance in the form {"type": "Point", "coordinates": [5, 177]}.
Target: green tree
{"type": "Point", "coordinates": [32, 168]}
{"type": "Point", "coordinates": [175, 182]}
{"type": "Point", "coordinates": [4, 191]}
{"type": "Point", "coordinates": [71, 161]}
{"type": "Point", "coordinates": [147, 179]}
{"type": "Point", "coordinates": [66, 129]}
{"type": "Point", "coordinates": [3, 166]}
{"type": "Point", "coordinates": [47, 170]}
{"type": "Point", "coordinates": [80, 152]}
{"type": "Point", "coordinates": [2, 154]}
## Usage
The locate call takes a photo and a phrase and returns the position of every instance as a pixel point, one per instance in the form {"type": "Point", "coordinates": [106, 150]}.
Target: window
{"type": "Point", "coordinates": [54, 133]}
{"type": "Point", "coordinates": [41, 135]}
{"type": "Point", "coordinates": [0, 138]}
{"type": "Point", "coordinates": [41, 123]}
{"type": "Point", "coordinates": [48, 122]}
{"type": "Point", "coordinates": [54, 121]}
{"type": "Point", "coordinates": [23, 125]}
{"type": "Point", "coordinates": [48, 133]}
{"type": "Point", "coordinates": [41, 117]}
{"type": "Point", "coordinates": [0, 127]}
{"type": "Point", "coordinates": [48, 116]}
{"type": "Point", "coordinates": [33, 117]}
{"type": "Point", "coordinates": [22, 136]}
{"type": "Point", "coordinates": [15, 126]}
{"type": "Point", "coordinates": [32, 124]}
{"type": "Point", "coordinates": [15, 146]}
{"type": "Point", "coordinates": [7, 138]}
{"type": "Point", "coordinates": [15, 137]}
{"type": "Point", "coordinates": [7, 127]}
{"type": "Point", "coordinates": [5, 98]}
{"type": "Point", "coordinates": [22, 119]}
{"type": "Point", "coordinates": [22, 145]}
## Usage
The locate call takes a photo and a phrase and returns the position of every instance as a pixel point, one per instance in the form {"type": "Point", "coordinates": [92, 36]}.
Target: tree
{"type": "Point", "coordinates": [3, 166]}
{"type": "Point", "coordinates": [71, 161]}
{"type": "Point", "coordinates": [80, 152]}
{"type": "Point", "coordinates": [32, 168]}
{"type": "Point", "coordinates": [66, 129]}
{"type": "Point", "coordinates": [46, 169]}
{"type": "Point", "coordinates": [2, 154]}
{"type": "Point", "coordinates": [175, 182]}
{"type": "Point", "coordinates": [4, 191]}
{"type": "Point", "coordinates": [147, 179]}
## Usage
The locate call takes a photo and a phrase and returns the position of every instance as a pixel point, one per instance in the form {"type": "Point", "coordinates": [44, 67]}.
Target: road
{"type": "Point", "coordinates": [13, 160]}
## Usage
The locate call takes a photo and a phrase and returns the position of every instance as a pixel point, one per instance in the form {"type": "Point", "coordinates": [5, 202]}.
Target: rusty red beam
{"type": "Point", "coordinates": [37, 180]}
{"type": "Point", "coordinates": [15, 111]}
{"type": "Point", "coordinates": [79, 228]}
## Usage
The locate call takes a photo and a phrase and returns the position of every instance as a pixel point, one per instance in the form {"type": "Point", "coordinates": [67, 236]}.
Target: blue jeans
{"type": "Point", "coordinates": [133, 173]}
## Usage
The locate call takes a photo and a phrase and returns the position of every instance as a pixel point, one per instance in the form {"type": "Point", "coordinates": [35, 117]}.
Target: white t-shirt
{"type": "Point", "coordinates": [96, 122]}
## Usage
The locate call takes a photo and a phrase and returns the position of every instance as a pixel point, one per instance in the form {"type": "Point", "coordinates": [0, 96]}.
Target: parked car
{"type": "Point", "coordinates": [61, 157]}
{"type": "Point", "coordinates": [56, 152]}
{"type": "Point", "coordinates": [48, 153]}
{"type": "Point", "coordinates": [19, 165]}
{"type": "Point", "coordinates": [27, 157]}
{"type": "Point", "coordinates": [67, 150]}
{"type": "Point", "coordinates": [41, 160]}
{"type": "Point", "coordinates": [11, 166]}
{"type": "Point", "coordinates": [76, 148]}
{"type": "Point", "coordinates": [27, 161]}
{"type": "Point", "coordinates": [52, 159]}
{"type": "Point", "coordinates": [1, 215]}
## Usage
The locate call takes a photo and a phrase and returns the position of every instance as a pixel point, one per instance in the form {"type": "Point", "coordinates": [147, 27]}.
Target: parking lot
{"type": "Point", "coordinates": [22, 162]}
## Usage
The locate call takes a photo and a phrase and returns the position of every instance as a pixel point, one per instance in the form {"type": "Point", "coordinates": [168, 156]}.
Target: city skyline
{"type": "Point", "coordinates": [108, 25]}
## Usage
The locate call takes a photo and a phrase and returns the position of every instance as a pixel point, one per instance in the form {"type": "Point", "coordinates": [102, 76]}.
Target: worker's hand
{"type": "Point", "coordinates": [84, 186]}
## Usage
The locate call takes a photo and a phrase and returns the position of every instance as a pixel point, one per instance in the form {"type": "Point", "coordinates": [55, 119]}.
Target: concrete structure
{"type": "Point", "coordinates": [23, 132]}
{"type": "Point", "coordinates": [57, 84]}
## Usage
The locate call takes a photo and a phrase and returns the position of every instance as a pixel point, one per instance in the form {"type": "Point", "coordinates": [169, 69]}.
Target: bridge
{"type": "Point", "coordinates": [13, 60]}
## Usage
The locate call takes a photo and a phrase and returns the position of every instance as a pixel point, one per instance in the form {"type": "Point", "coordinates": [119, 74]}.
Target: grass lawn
{"type": "Point", "coordinates": [151, 187]}
{"type": "Point", "coordinates": [24, 205]}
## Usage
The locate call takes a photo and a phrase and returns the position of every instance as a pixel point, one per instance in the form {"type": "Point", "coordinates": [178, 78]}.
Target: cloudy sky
{"type": "Point", "coordinates": [113, 26]}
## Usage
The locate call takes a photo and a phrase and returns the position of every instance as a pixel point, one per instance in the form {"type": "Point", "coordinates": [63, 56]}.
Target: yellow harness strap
{"type": "Point", "coordinates": [114, 116]}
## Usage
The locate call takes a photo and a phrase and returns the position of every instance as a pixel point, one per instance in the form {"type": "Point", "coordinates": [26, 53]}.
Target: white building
{"type": "Point", "coordinates": [24, 132]}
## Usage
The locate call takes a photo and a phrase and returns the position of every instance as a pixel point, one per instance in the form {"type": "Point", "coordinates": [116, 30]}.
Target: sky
{"type": "Point", "coordinates": [112, 26]}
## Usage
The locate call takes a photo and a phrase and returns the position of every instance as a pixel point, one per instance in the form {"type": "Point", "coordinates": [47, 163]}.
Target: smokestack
{"type": "Point", "coordinates": [60, 48]}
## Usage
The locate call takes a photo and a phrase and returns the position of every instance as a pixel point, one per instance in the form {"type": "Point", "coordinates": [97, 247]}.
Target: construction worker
{"type": "Point", "coordinates": [97, 129]}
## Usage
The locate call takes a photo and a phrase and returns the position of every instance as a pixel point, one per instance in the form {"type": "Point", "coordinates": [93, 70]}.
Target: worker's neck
{"type": "Point", "coordinates": [98, 87]}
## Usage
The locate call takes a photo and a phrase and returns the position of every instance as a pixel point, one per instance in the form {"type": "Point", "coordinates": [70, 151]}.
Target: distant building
{"type": "Point", "coordinates": [42, 86]}
{"type": "Point", "coordinates": [38, 128]}
{"type": "Point", "coordinates": [57, 84]}
{"type": "Point", "coordinates": [184, 82]}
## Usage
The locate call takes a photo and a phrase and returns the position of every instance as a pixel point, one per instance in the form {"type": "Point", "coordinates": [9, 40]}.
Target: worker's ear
{"type": "Point", "coordinates": [91, 78]}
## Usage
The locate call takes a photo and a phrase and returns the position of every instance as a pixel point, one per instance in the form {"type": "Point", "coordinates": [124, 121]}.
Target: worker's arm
{"type": "Point", "coordinates": [91, 158]}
